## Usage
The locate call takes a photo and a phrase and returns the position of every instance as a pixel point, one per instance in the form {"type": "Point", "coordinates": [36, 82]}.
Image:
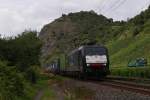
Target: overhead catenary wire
{"type": "Point", "coordinates": [119, 5]}
{"type": "Point", "coordinates": [113, 6]}
{"type": "Point", "coordinates": [102, 5]}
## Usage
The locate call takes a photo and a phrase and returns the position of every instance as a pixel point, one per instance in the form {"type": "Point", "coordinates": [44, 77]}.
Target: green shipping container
{"type": "Point", "coordinates": [63, 62]}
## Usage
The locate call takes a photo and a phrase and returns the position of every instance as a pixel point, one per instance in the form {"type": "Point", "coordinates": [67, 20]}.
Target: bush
{"type": "Point", "coordinates": [137, 30]}
{"type": "Point", "coordinates": [11, 83]}
{"type": "Point", "coordinates": [32, 74]}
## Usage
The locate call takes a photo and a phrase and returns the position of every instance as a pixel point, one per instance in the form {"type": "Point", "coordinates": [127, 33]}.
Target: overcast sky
{"type": "Point", "coordinates": [18, 15]}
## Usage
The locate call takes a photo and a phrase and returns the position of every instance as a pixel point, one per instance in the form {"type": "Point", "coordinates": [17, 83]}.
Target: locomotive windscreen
{"type": "Point", "coordinates": [95, 51]}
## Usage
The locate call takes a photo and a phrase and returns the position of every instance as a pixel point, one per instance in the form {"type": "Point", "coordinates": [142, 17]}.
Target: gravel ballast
{"type": "Point", "coordinates": [105, 92]}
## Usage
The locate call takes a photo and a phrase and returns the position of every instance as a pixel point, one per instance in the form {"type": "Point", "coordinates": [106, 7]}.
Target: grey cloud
{"type": "Point", "coordinates": [18, 15]}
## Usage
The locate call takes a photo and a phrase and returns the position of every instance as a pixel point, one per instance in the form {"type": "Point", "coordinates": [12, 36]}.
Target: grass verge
{"type": "Point", "coordinates": [48, 94]}
{"type": "Point", "coordinates": [131, 72]}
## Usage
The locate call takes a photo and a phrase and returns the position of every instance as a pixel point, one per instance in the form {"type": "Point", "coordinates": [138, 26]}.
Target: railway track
{"type": "Point", "coordinates": [129, 86]}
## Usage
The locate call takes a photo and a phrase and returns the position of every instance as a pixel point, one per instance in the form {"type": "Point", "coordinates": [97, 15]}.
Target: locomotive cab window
{"type": "Point", "coordinates": [95, 51]}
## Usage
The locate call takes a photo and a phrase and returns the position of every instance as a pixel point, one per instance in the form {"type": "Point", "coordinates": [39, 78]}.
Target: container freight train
{"type": "Point", "coordinates": [86, 61]}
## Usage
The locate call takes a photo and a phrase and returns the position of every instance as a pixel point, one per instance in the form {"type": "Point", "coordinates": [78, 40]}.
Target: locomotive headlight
{"type": "Point", "coordinates": [104, 64]}
{"type": "Point", "coordinates": [88, 65]}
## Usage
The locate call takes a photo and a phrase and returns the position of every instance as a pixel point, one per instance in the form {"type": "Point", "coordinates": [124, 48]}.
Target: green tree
{"type": "Point", "coordinates": [11, 83]}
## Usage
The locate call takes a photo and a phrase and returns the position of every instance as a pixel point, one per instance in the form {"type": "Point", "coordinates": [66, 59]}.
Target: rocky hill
{"type": "Point", "coordinates": [75, 29]}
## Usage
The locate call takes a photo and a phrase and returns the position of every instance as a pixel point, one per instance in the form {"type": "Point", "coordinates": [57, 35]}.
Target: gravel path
{"type": "Point", "coordinates": [59, 93]}
{"type": "Point", "coordinates": [39, 95]}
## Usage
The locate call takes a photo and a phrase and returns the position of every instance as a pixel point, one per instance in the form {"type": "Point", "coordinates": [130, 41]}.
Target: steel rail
{"type": "Point", "coordinates": [133, 87]}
